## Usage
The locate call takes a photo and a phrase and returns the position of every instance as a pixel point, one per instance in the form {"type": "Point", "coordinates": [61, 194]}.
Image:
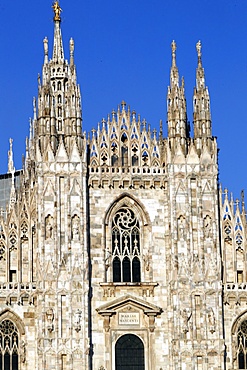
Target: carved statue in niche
{"type": "Point", "coordinates": [185, 316]}
{"type": "Point", "coordinates": [49, 227]}
{"type": "Point", "coordinates": [146, 259]}
{"type": "Point", "coordinates": [75, 228]}
{"type": "Point", "coordinates": [178, 128]}
{"type": "Point", "coordinates": [107, 259]}
{"type": "Point", "coordinates": [181, 227]}
{"type": "Point", "coordinates": [211, 320]}
{"type": "Point", "coordinates": [207, 224]}
{"type": "Point", "coordinates": [23, 352]}
{"type": "Point", "coordinates": [50, 319]}
{"type": "Point", "coordinates": [77, 320]}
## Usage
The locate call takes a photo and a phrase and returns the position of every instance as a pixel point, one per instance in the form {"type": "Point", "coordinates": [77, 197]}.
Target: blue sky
{"type": "Point", "coordinates": [122, 51]}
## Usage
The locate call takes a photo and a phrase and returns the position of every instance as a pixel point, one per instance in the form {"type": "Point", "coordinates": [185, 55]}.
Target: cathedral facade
{"type": "Point", "coordinates": [118, 248]}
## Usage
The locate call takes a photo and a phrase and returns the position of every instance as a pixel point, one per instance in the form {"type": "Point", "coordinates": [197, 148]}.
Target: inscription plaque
{"type": "Point", "coordinates": [129, 318]}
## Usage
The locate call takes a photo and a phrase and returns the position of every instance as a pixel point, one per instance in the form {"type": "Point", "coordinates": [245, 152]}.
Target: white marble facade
{"type": "Point", "coordinates": [118, 250]}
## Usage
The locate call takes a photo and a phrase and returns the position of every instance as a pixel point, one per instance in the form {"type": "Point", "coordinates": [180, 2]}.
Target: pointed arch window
{"type": "Point", "coordinates": [242, 345]}
{"type": "Point", "coordinates": [114, 157]}
{"type": "Point", "coordinates": [145, 158]}
{"type": "Point", "coordinates": [124, 149]}
{"type": "Point", "coordinates": [9, 346]}
{"type": "Point", "coordinates": [135, 158]}
{"type": "Point", "coordinates": [126, 246]}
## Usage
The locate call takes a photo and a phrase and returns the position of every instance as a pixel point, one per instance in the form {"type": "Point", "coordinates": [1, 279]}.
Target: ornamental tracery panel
{"type": "Point", "coordinates": [242, 345]}
{"type": "Point", "coordinates": [9, 346]}
{"type": "Point", "coordinates": [125, 246]}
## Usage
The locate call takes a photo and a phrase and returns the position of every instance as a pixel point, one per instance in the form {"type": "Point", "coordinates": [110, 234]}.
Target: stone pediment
{"type": "Point", "coordinates": [128, 299]}
{"type": "Point", "coordinates": [129, 303]}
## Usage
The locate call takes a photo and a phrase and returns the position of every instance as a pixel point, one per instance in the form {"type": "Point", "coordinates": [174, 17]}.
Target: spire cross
{"type": "Point", "coordinates": [123, 103]}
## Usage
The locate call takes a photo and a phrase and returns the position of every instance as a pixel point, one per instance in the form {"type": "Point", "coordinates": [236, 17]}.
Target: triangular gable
{"type": "Point", "coordinates": [61, 153]}
{"type": "Point", "coordinates": [75, 189]}
{"type": "Point", "coordinates": [181, 189]}
{"type": "Point", "coordinates": [49, 190]}
{"type": "Point", "coordinates": [206, 156]}
{"type": "Point", "coordinates": [179, 155]}
{"type": "Point", "coordinates": [121, 302]}
{"type": "Point", "coordinates": [49, 156]}
{"type": "Point", "coordinates": [75, 155]}
{"type": "Point", "coordinates": [114, 307]}
{"type": "Point", "coordinates": [207, 188]}
{"type": "Point", "coordinates": [192, 157]}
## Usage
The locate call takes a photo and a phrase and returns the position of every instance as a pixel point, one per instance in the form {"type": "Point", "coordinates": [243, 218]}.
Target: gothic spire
{"type": "Point", "coordinates": [174, 75]}
{"type": "Point", "coordinates": [58, 53]}
{"type": "Point", "coordinates": [176, 103]}
{"type": "Point", "coordinates": [202, 115]}
{"type": "Point", "coordinates": [59, 101]}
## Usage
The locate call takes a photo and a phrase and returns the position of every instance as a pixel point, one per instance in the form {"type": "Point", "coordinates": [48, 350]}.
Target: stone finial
{"type": "Point", "coordinates": [72, 45]}
{"type": "Point", "coordinates": [182, 82]}
{"type": "Point", "coordinates": [34, 109]}
{"type": "Point", "coordinates": [174, 48]}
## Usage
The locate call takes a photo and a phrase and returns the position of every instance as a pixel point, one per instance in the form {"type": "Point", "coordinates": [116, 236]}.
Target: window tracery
{"type": "Point", "coordinates": [24, 230]}
{"type": "Point", "coordinates": [238, 233]}
{"type": "Point", "coordinates": [126, 246]}
{"type": "Point", "coordinates": [9, 345]}
{"type": "Point", "coordinates": [94, 152]}
{"type": "Point", "coordinates": [242, 345]}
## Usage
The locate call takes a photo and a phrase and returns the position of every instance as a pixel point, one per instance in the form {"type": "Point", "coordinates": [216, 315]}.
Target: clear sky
{"type": "Point", "coordinates": [122, 51]}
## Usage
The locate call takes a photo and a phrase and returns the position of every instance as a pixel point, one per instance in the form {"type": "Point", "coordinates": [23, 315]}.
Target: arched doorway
{"type": "Point", "coordinates": [129, 353]}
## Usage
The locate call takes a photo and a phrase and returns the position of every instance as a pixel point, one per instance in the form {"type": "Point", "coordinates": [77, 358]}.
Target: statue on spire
{"type": "Point", "coordinates": [57, 11]}
{"type": "Point", "coordinates": [11, 168]}
{"type": "Point", "coordinates": [174, 48]}
{"type": "Point", "coordinates": [199, 52]}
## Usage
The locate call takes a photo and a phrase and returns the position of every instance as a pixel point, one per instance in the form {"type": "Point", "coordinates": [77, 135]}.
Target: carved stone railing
{"type": "Point", "coordinates": [145, 289]}
{"type": "Point", "coordinates": [132, 170]}
{"type": "Point", "coordinates": [17, 286]}
{"type": "Point", "coordinates": [235, 286]}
